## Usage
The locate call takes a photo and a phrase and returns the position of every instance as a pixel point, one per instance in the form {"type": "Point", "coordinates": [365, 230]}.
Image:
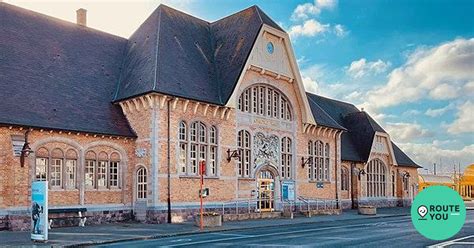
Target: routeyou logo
{"type": "Point", "coordinates": [438, 212]}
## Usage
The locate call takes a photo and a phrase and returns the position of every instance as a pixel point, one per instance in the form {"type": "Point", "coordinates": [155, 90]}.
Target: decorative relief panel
{"type": "Point", "coordinates": [266, 149]}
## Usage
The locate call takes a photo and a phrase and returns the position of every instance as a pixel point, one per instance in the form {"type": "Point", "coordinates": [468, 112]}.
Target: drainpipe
{"type": "Point", "coordinates": [352, 186]}
{"type": "Point", "coordinates": [169, 165]}
{"type": "Point", "coordinates": [335, 159]}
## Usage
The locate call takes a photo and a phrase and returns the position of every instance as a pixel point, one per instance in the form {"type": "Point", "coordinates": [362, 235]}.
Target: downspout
{"type": "Point", "coordinates": [335, 159]}
{"type": "Point", "coordinates": [352, 186]}
{"type": "Point", "coordinates": [169, 165]}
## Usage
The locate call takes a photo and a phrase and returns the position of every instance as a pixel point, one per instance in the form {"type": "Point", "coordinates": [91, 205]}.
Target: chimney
{"type": "Point", "coordinates": [81, 15]}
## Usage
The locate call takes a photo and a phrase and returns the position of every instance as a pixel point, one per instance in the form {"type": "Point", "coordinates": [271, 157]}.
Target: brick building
{"type": "Point", "coordinates": [115, 123]}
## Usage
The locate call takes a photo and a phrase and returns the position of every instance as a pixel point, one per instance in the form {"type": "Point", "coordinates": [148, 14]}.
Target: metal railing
{"type": "Point", "coordinates": [250, 205]}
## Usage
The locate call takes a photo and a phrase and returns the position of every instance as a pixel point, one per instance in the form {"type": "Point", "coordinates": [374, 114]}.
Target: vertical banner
{"type": "Point", "coordinates": [288, 191]}
{"type": "Point", "coordinates": [39, 210]}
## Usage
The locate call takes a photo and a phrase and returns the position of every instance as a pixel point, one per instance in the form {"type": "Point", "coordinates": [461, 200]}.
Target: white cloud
{"type": "Point", "coordinates": [310, 85]}
{"type": "Point", "coordinates": [426, 154]}
{"type": "Point", "coordinates": [406, 132]}
{"type": "Point", "coordinates": [306, 10]}
{"type": "Point", "coordinates": [442, 72]}
{"type": "Point", "coordinates": [465, 119]}
{"type": "Point", "coordinates": [361, 67]}
{"type": "Point", "coordinates": [439, 111]}
{"type": "Point", "coordinates": [309, 28]}
{"type": "Point", "coordinates": [411, 112]}
{"type": "Point", "coordinates": [340, 30]}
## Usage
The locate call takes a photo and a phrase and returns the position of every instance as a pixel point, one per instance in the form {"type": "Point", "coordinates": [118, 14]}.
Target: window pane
{"type": "Point", "coordinates": [89, 173]}
{"type": "Point", "coordinates": [113, 174]}
{"type": "Point", "coordinates": [102, 174]}
{"type": "Point", "coordinates": [41, 166]}
{"type": "Point", "coordinates": [56, 172]}
{"type": "Point", "coordinates": [70, 174]}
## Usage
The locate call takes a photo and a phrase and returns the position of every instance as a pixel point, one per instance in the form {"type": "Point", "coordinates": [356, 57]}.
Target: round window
{"type": "Point", "coordinates": [270, 47]}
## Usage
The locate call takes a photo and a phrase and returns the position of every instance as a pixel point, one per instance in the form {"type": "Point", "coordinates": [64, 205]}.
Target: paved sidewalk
{"type": "Point", "coordinates": [101, 234]}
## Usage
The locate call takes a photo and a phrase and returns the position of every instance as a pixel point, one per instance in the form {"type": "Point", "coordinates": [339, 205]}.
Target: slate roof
{"type": "Point", "coordinates": [58, 75]}
{"type": "Point", "coordinates": [180, 55]}
{"type": "Point", "coordinates": [356, 142]}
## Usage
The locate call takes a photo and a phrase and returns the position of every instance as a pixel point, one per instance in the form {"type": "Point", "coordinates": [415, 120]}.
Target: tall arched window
{"type": "Point", "coordinates": [320, 161]}
{"type": "Point", "coordinates": [89, 169]}
{"type": "Point", "coordinates": [344, 179]}
{"type": "Point", "coordinates": [286, 157]}
{"type": "Point", "coordinates": [212, 166]}
{"type": "Point", "coordinates": [393, 184]}
{"type": "Point", "coordinates": [203, 145]}
{"type": "Point", "coordinates": [102, 170]}
{"type": "Point", "coordinates": [141, 183]}
{"type": "Point", "coordinates": [266, 101]}
{"type": "Point", "coordinates": [243, 142]}
{"type": "Point", "coordinates": [183, 147]}
{"type": "Point", "coordinates": [376, 178]}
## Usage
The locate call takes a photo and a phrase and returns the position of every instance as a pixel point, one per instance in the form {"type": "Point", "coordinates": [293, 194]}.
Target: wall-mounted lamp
{"type": "Point", "coordinates": [361, 173]}
{"type": "Point", "coordinates": [307, 161]}
{"type": "Point", "coordinates": [26, 150]}
{"type": "Point", "coordinates": [233, 154]}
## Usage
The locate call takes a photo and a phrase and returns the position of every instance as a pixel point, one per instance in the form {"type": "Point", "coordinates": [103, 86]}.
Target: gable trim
{"type": "Point", "coordinates": [307, 117]}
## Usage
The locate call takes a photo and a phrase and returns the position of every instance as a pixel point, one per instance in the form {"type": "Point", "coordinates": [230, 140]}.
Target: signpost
{"type": "Point", "coordinates": [39, 211]}
{"type": "Point", "coordinates": [202, 171]}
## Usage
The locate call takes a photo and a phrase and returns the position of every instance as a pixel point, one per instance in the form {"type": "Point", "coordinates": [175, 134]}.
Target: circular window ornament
{"type": "Point", "coordinates": [270, 47]}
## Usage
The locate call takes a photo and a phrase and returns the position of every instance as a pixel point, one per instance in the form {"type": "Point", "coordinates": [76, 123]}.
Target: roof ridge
{"type": "Point", "coordinates": [182, 12]}
{"type": "Point", "coordinates": [230, 15]}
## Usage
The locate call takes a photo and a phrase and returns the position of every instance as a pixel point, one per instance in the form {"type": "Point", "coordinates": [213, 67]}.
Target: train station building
{"type": "Point", "coordinates": [118, 126]}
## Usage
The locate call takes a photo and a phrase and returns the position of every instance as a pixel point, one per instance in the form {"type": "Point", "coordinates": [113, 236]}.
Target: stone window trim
{"type": "Point", "coordinates": [319, 168]}
{"type": "Point", "coordinates": [57, 161]}
{"type": "Point", "coordinates": [197, 140]}
{"type": "Point", "coordinates": [265, 100]}
{"type": "Point", "coordinates": [376, 178]}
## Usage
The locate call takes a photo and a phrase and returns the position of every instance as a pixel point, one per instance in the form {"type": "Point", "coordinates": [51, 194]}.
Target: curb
{"type": "Point", "coordinates": [103, 242]}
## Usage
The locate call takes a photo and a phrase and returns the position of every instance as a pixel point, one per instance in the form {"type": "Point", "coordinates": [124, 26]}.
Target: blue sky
{"type": "Point", "coordinates": [410, 64]}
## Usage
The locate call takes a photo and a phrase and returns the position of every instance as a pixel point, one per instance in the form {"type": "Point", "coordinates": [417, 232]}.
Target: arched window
{"type": "Point", "coordinates": [102, 170]}
{"type": "Point", "coordinates": [266, 101]}
{"type": "Point", "coordinates": [114, 169]}
{"type": "Point", "coordinates": [376, 178]}
{"type": "Point", "coordinates": [89, 169]}
{"type": "Point", "coordinates": [319, 152]}
{"type": "Point", "coordinates": [70, 169]}
{"type": "Point", "coordinates": [344, 179]}
{"type": "Point", "coordinates": [203, 145]}
{"type": "Point", "coordinates": [393, 184]}
{"type": "Point", "coordinates": [56, 168]}
{"type": "Point", "coordinates": [244, 144]}
{"type": "Point", "coordinates": [141, 183]}
{"type": "Point", "coordinates": [212, 166]}
{"type": "Point", "coordinates": [286, 157]}
{"type": "Point", "coordinates": [183, 147]}
{"type": "Point", "coordinates": [41, 168]}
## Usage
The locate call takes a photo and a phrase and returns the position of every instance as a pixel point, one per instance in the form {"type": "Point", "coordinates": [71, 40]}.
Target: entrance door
{"type": "Point", "coordinates": [266, 189]}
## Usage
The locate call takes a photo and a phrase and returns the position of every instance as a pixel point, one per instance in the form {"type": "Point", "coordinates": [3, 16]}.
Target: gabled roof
{"type": "Point", "coordinates": [58, 75]}
{"type": "Point", "coordinates": [180, 55]}
{"type": "Point", "coordinates": [356, 143]}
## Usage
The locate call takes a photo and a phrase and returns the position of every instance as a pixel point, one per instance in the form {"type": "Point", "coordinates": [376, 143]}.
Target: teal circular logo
{"type": "Point", "coordinates": [438, 212]}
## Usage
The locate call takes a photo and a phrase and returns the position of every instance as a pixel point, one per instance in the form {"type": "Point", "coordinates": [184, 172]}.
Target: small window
{"type": "Point", "coordinates": [41, 169]}
{"type": "Point", "coordinates": [141, 183]}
